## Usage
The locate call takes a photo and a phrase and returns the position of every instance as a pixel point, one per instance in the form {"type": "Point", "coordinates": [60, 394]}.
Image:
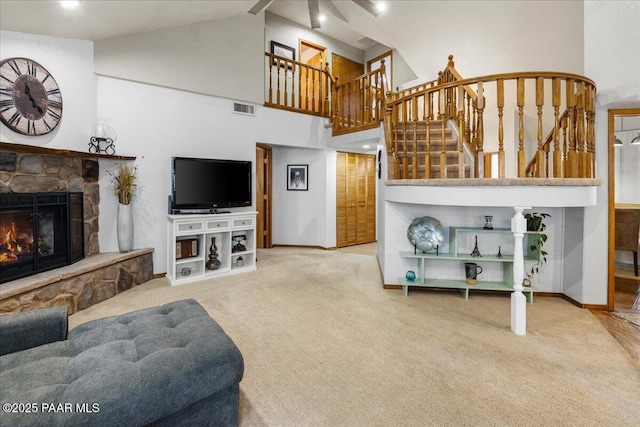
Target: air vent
{"type": "Point", "coordinates": [367, 41]}
{"type": "Point", "coordinates": [247, 109]}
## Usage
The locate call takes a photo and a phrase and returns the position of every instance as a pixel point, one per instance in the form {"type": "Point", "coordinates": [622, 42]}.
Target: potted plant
{"type": "Point", "coordinates": [124, 182]}
{"type": "Point", "coordinates": [535, 222]}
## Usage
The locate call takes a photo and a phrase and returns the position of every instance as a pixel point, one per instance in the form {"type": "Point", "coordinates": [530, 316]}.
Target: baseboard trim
{"type": "Point", "coordinates": [536, 294]}
{"type": "Point", "coordinates": [299, 246]}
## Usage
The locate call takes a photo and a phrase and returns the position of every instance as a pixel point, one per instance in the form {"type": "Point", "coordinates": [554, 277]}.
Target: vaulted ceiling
{"type": "Point", "coordinates": [96, 20]}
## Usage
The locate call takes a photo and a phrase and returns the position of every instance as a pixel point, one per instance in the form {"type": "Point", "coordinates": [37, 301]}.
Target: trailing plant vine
{"type": "Point", "coordinates": [535, 222]}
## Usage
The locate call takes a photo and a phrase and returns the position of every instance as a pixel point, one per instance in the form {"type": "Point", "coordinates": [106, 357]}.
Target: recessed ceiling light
{"type": "Point", "coordinates": [70, 4]}
{"type": "Point", "coordinates": [322, 18]}
{"type": "Point", "coordinates": [381, 6]}
{"type": "Point", "coordinates": [366, 146]}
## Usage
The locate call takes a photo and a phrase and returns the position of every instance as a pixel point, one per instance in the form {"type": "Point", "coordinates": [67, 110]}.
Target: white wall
{"type": "Point", "coordinates": [221, 57]}
{"type": "Point", "coordinates": [611, 46]}
{"type": "Point", "coordinates": [488, 37]}
{"type": "Point", "coordinates": [195, 125]}
{"type": "Point", "coordinates": [70, 62]}
{"type": "Point", "coordinates": [290, 33]}
{"type": "Point", "coordinates": [299, 216]}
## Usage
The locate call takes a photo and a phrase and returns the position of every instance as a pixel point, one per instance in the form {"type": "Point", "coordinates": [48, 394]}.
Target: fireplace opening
{"type": "Point", "coordinates": [39, 232]}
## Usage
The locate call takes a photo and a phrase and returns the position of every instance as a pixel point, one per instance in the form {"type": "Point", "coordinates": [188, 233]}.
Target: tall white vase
{"type": "Point", "coordinates": [125, 227]}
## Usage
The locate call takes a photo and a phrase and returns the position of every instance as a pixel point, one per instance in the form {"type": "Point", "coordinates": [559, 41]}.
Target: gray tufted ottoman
{"type": "Point", "coordinates": [171, 365]}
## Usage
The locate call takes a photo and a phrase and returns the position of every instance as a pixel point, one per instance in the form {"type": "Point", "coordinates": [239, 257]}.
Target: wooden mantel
{"type": "Point", "coordinates": [10, 146]}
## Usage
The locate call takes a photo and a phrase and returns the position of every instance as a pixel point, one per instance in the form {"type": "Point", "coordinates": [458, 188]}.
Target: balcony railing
{"type": "Point", "coordinates": [351, 106]}
{"type": "Point", "coordinates": [553, 118]}
{"type": "Point", "coordinates": [299, 87]}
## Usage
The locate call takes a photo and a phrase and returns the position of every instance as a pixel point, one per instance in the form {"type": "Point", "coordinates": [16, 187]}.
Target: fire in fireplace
{"type": "Point", "coordinates": [16, 237]}
{"type": "Point", "coordinates": [38, 232]}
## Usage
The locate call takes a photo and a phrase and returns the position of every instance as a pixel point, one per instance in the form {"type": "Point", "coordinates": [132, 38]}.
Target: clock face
{"type": "Point", "coordinates": [30, 99]}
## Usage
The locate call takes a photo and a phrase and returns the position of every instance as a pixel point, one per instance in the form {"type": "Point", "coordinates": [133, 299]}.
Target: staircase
{"type": "Point", "coordinates": [410, 144]}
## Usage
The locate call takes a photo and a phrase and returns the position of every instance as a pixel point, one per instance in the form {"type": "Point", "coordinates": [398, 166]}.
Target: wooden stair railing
{"type": "Point", "coordinates": [433, 108]}
{"type": "Point", "coordinates": [466, 102]}
{"type": "Point", "coordinates": [560, 150]}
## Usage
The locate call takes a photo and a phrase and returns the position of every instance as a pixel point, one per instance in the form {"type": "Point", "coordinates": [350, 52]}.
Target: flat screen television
{"type": "Point", "coordinates": [209, 184]}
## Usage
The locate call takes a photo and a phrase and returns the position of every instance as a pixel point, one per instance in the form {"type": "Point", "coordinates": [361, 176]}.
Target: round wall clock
{"type": "Point", "coordinates": [30, 99]}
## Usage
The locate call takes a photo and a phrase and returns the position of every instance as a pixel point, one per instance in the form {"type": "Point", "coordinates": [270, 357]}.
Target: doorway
{"type": "Point", "coordinates": [312, 95]}
{"type": "Point", "coordinates": [624, 201]}
{"type": "Point", "coordinates": [263, 196]}
{"type": "Point", "coordinates": [355, 199]}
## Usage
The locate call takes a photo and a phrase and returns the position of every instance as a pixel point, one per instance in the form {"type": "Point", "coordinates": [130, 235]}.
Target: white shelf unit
{"type": "Point", "coordinates": [454, 254]}
{"type": "Point", "coordinates": [203, 228]}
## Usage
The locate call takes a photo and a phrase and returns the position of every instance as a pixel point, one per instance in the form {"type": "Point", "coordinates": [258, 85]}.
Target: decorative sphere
{"type": "Point", "coordinates": [410, 276]}
{"type": "Point", "coordinates": [425, 233]}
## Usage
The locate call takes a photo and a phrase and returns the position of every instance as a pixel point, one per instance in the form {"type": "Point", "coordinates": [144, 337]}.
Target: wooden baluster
{"type": "Point", "coordinates": [443, 150]}
{"type": "Point", "coordinates": [414, 160]}
{"type": "Point", "coordinates": [327, 101]}
{"type": "Point", "coordinates": [285, 98]}
{"type": "Point", "coordinates": [557, 154]}
{"type": "Point", "coordinates": [300, 102]}
{"type": "Point", "coordinates": [339, 99]}
{"type": "Point", "coordinates": [540, 157]}
{"type": "Point", "coordinates": [305, 104]}
{"type": "Point", "coordinates": [427, 155]}
{"type": "Point", "coordinates": [500, 104]}
{"type": "Point", "coordinates": [270, 59]}
{"type": "Point", "coordinates": [474, 132]}
{"type": "Point", "coordinates": [572, 158]}
{"type": "Point", "coordinates": [467, 131]}
{"type": "Point", "coordinates": [364, 107]}
{"type": "Point", "coordinates": [294, 67]}
{"type": "Point", "coordinates": [430, 104]}
{"type": "Point", "coordinates": [405, 160]}
{"type": "Point", "coordinates": [480, 169]}
{"type": "Point", "coordinates": [581, 132]}
{"type": "Point", "coordinates": [425, 102]}
{"type": "Point", "coordinates": [395, 142]}
{"type": "Point", "coordinates": [320, 92]}
{"type": "Point", "coordinates": [591, 158]}
{"type": "Point", "coordinates": [278, 83]}
{"type": "Point", "coordinates": [521, 155]}
{"type": "Point", "coordinates": [349, 104]}
{"type": "Point", "coordinates": [565, 145]}
{"type": "Point", "coordinates": [460, 104]}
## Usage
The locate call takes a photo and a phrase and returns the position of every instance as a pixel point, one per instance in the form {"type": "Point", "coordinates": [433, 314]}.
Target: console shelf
{"type": "Point", "coordinates": [456, 234]}
{"type": "Point", "coordinates": [199, 231]}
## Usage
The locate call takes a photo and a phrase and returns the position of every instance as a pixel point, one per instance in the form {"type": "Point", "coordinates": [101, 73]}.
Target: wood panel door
{"type": "Point", "coordinates": [355, 199]}
{"type": "Point", "coordinates": [346, 70]}
{"type": "Point", "coordinates": [263, 196]}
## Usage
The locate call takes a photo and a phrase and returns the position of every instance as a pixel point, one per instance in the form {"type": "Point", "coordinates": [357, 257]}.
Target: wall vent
{"type": "Point", "coordinates": [247, 109]}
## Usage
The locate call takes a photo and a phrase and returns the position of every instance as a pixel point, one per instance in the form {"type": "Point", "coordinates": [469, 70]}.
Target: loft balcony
{"type": "Point", "coordinates": [532, 124]}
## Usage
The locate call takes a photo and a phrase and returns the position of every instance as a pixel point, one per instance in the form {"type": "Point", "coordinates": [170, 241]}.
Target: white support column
{"type": "Point", "coordinates": [518, 300]}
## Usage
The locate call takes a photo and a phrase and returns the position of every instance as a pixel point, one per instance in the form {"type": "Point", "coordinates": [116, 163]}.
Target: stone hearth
{"type": "Point", "coordinates": [80, 285]}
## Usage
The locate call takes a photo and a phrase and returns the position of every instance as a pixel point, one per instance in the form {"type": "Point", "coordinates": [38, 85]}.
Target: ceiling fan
{"type": "Point", "coordinates": [314, 9]}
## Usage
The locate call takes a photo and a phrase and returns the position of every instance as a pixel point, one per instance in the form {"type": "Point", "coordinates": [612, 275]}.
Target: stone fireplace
{"type": "Point", "coordinates": [58, 179]}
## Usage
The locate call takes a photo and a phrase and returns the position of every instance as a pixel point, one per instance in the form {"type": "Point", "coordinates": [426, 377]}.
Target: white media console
{"type": "Point", "coordinates": [189, 242]}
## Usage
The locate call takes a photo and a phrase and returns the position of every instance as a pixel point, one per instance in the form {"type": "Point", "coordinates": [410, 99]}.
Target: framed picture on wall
{"type": "Point", "coordinates": [297, 177]}
{"type": "Point", "coordinates": [282, 50]}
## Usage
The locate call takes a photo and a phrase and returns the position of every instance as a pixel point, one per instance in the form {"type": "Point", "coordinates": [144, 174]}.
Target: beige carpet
{"type": "Point", "coordinates": [325, 345]}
